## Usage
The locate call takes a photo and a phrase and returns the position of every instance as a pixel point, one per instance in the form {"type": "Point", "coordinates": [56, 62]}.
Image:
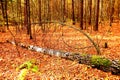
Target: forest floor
{"type": "Point", "coordinates": [55, 68]}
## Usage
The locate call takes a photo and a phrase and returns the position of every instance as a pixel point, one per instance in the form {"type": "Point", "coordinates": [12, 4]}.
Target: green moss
{"type": "Point", "coordinates": [100, 61]}
{"type": "Point", "coordinates": [119, 62]}
{"type": "Point", "coordinates": [22, 74]}
{"type": "Point", "coordinates": [30, 65]}
{"type": "Point", "coordinates": [84, 54]}
{"type": "Point", "coordinates": [26, 67]}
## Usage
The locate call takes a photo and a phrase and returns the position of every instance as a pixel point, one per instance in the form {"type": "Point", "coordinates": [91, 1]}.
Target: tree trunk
{"type": "Point", "coordinates": [73, 12]}
{"type": "Point", "coordinates": [64, 10]}
{"type": "Point", "coordinates": [3, 8]}
{"type": "Point", "coordinates": [29, 21]}
{"type": "Point", "coordinates": [111, 11]}
{"type": "Point", "coordinates": [4, 11]}
{"type": "Point", "coordinates": [6, 15]}
{"type": "Point", "coordinates": [3, 14]}
{"type": "Point", "coordinates": [19, 16]}
{"type": "Point", "coordinates": [49, 10]}
{"type": "Point", "coordinates": [81, 14]}
{"type": "Point", "coordinates": [119, 9]}
{"type": "Point", "coordinates": [39, 7]}
{"type": "Point", "coordinates": [95, 28]}
{"type": "Point", "coordinates": [94, 61]}
{"type": "Point", "coordinates": [90, 11]}
{"type": "Point", "coordinates": [27, 18]}
{"type": "Point", "coordinates": [101, 11]}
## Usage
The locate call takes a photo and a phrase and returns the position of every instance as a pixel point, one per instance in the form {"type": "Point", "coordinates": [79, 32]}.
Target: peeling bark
{"type": "Point", "coordinates": [94, 61]}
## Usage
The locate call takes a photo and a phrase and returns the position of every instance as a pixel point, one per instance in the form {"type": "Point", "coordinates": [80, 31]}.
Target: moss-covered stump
{"type": "Point", "coordinates": [94, 61]}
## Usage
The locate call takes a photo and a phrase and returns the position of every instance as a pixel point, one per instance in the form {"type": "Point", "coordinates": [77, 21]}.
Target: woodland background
{"type": "Point", "coordinates": [59, 25]}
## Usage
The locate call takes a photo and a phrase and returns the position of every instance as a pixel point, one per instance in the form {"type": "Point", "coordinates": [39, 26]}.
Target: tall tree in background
{"type": "Point", "coordinates": [4, 11]}
{"type": "Point", "coordinates": [95, 27]}
{"type": "Point", "coordinates": [90, 11]}
{"type": "Point", "coordinates": [18, 20]}
{"type": "Point", "coordinates": [49, 10]}
{"type": "Point", "coordinates": [73, 13]}
{"type": "Point", "coordinates": [39, 7]}
{"type": "Point", "coordinates": [119, 10]}
{"type": "Point", "coordinates": [81, 10]}
{"type": "Point", "coordinates": [19, 10]}
{"type": "Point", "coordinates": [101, 11]}
{"type": "Point", "coordinates": [81, 14]}
{"type": "Point", "coordinates": [6, 15]}
{"type": "Point", "coordinates": [27, 21]}
{"type": "Point", "coordinates": [63, 6]}
{"type": "Point", "coordinates": [112, 2]}
{"type": "Point", "coordinates": [3, 8]}
{"type": "Point", "coordinates": [25, 15]}
{"type": "Point", "coordinates": [85, 14]}
{"type": "Point", "coordinates": [64, 10]}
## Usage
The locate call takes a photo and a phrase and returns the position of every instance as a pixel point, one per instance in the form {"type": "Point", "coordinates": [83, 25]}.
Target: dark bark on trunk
{"type": "Point", "coordinates": [3, 8]}
{"type": "Point", "coordinates": [4, 11]}
{"type": "Point", "coordinates": [73, 12]}
{"type": "Point", "coordinates": [27, 20]}
{"type": "Point", "coordinates": [3, 14]}
{"type": "Point", "coordinates": [101, 11]}
{"type": "Point", "coordinates": [90, 11]}
{"type": "Point", "coordinates": [81, 14]}
{"type": "Point", "coordinates": [111, 11]}
{"type": "Point", "coordinates": [39, 7]}
{"type": "Point", "coordinates": [95, 28]}
{"type": "Point", "coordinates": [25, 15]}
{"type": "Point", "coordinates": [94, 61]}
{"type": "Point", "coordinates": [6, 15]}
{"type": "Point", "coordinates": [64, 10]}
{"type": "Point", "coordinates": [118, 9]}
{"type": "Point", "coordinates": [49, 10]}
{"type": "Point", "coordinates": [85, 14]}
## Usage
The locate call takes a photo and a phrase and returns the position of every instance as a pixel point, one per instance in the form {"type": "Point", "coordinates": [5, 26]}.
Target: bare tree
{"type": "Point", "coordinates": [25, 15]}
{"type": "Point", "coordinates": [90, 11]}
{"type": "Point", "coordinates": [27, 21]}
{"type": "Point", "coordinates": [49, 10]}
{"type": "Point", "coordinates": [81, 14]}
{"type": "Point", "coordinates": [19, 10]}
{"type": "Point", "coordinates": [95, 27]}
{"type": "Point", "coordinates": [73, 12]}
{"type": "Point", "coordinates": [6, 15]}
{"type": "Point", "coordinates": [4, 6]}
{"type": "Point", "coordinates": [112, 2]}
{"type": "Point", "coordinates": [118, 13]}
{"type": "Point", "coordinates": [39, 7]}
{"type": "Point", "coordinates": [3, 13]}
{"type": "Point", "coordinates": [64, 10]}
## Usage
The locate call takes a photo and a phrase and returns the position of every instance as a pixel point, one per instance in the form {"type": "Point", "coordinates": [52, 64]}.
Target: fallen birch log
{"type": "Point", "coordinates": [94, 61]}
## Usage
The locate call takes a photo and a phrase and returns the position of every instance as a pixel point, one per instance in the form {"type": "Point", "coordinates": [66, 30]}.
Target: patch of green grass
{"type": "Point", "coordinates": [25, 68]}
{"type": "Point", "coordinates": [30, 65]}
{"type": "Point", "coordinates": [100, 61]}
{"type": "Point", "coordinates": [22, 74]}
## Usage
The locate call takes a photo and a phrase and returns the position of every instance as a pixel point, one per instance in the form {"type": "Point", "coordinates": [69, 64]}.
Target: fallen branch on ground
{"type": "Point", "coordinates": [94, 61]}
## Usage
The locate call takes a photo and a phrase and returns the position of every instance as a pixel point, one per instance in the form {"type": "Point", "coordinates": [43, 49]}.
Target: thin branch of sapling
{"type": "Point", "coordinates": [77, 29]}
{"type": "Point", "coordinates": [14, 40]}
